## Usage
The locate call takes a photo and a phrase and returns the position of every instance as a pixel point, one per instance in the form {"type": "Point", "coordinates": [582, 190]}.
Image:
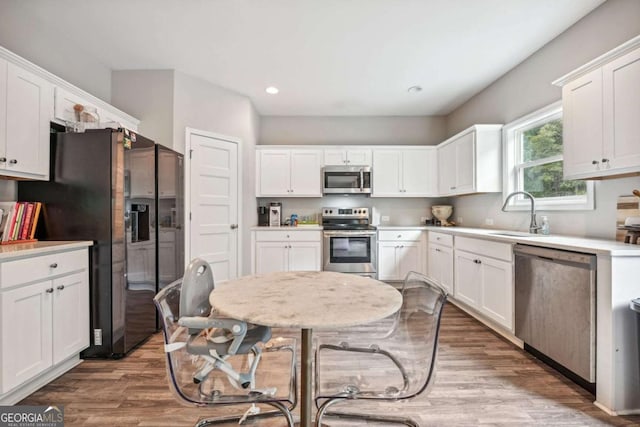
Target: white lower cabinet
{"type": "Point", "coordinates": [290, 250]}
{"type": "Point", "coordinates": [399, 252]}
{"type": "Point", "coordinates": [484, 282]}
{"type": "Point", "coordinates": [440, 261]}
{"type": "Point", "coordinates": [44, 318]}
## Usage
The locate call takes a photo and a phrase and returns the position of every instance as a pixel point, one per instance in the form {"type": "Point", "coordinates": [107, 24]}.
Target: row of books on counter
{"type": "Point", "coordinates": [19, 221]}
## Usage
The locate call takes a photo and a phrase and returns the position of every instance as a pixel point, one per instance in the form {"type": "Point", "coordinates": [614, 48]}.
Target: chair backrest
{"type": "Point", "coordinates": [197, 284]}
{"type": "Point", "coordinates": [418, 330]}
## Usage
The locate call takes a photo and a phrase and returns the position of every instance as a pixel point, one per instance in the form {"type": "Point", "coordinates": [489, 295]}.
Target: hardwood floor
{"type": "Point", "coordinates": [482, 380]}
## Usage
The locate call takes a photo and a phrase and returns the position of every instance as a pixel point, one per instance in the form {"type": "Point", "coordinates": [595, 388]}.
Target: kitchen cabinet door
{"type": "Point", "coordinates": [621, 107]}
{"type": "Point", "coordinates": [496, 300]}
{"type": "Point", "coordinates": [440, 269]}
{"type": "Point", "coordinates": [26, 333]}
{"type": "Point", "coordinates": [70, 320]}
{"type": "Point", "coordinates": [468, 279]}
{"type": "Point", "coordinates": [386, 173]}
{"type": "Point", "coordinates": [335, 157]}
{"type": "Point", "coordinates": [358, 157]}
{"type": "Point", "coordinates": [271, 257]}
{"type": "Point", "coordinates": [582, 126]}
{"type": "Point", "coordinates": [304, 256]}
{"type": "Point", "coordinates": [447, 169]}
{"type": "Point", "coordinates": [387, 265]}
{"type": "Point", "coordinates": [306, 171]}
{"type": "Point", "coordinates": [274, 174]}
{"type": "Point", "coordinates": [419, 173]}
{"type": "Point", "coordinates": [465, 163]}
{"type": "Point", "coordinates": [29, 109]}
{"type": "Point", "coordinates": [409, 257]}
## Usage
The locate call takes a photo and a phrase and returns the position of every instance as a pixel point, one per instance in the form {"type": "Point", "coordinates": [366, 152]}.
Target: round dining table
{"type": "Point", "coordinates": [306, 300]}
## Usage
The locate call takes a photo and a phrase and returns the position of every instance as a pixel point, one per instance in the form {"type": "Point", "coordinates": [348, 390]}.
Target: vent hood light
{"type": "Point", "coordinates": [271, 90]}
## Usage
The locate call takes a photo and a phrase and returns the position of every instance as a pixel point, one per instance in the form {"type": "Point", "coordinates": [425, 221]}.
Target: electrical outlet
{"type": "Point", "coordinates": [385, 218]}
{"type": "Point", "coordinates": [97, 336]}
{"type": "Point", "coordinates": [488, 221]}
{"type": "Point", "coordinates": [460, 220]}
{"type": "Point", "coordinates": [423, 219]}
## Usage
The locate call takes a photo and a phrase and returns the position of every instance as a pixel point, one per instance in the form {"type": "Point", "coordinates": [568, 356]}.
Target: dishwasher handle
{"type": "Point", "coordinates": [556, 255]}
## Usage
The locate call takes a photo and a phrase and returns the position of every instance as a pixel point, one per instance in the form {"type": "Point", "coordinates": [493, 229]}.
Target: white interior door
{"type": "Point", "coordinates": [213, 202]}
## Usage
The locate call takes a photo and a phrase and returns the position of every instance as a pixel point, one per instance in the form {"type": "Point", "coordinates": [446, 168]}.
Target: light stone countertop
{"type": "Point", "coordinates": [306, 299]}
{"type": "Point", "coordinates": [569, 243]}
{"type": "Point", "coordinates": [287, 228]}
{"type": "Point", "coordinates": [19, 250]}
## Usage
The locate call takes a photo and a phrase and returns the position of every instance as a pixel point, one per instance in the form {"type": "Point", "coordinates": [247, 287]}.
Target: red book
{"type": "Point", "coordinates": [26, 224]}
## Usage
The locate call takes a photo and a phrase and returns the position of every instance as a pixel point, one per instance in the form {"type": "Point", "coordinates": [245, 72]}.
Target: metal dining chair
{"type": "Point", "coordinates": [213, 361]}
{"type": "Point", "coordinates": [391, 360]}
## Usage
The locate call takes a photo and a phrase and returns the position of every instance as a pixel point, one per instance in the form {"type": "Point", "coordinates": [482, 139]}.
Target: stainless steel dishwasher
{"type": "Point", "coordinates": [555, 295]}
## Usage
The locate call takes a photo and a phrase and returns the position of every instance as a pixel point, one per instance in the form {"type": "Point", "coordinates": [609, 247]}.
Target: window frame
{"type": "Point", "coordinates": [513, 168]}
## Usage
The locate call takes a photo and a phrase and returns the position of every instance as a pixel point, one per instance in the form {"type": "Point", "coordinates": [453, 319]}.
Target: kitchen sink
{"type": "Point", "coordinates": [517, 234]}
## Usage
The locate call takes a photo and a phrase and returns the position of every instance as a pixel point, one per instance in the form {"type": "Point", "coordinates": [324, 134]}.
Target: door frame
{"type": "Point", "coordinates": [187, 191]}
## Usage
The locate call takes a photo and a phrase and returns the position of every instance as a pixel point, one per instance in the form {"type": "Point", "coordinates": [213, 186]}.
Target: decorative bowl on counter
{"type": "Point", "coordinates": [442, 212]}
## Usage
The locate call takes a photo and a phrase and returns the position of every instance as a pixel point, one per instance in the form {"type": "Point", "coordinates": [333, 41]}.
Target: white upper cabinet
{"type": "Point", "coordinates": [288, 172]}
{"type": "Point", "coordinates": [601, 107]}
{"type": "Point", "coordinates": [26, 100]}
{"type": "Point", "coordinates": [470, 162]}
{"type": "Point", "coordinates": [404, 172]}
{"type": "Point", "coordinates": [337, 156]}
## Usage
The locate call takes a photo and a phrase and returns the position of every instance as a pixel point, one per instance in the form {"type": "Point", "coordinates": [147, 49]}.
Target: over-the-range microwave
{"type": "Point", "coordinates": [346, 180]}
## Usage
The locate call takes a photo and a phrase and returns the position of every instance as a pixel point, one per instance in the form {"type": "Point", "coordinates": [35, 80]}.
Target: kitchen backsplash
{"type": "Point", "coordinates": [401, 211]}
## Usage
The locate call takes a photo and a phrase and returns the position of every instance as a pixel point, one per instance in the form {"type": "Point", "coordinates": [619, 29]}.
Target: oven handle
{"type": "Point", "coordinates": [350, 233]}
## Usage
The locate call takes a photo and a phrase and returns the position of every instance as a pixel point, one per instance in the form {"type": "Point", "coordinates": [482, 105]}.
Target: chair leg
{"type": "Point", "coordinates": [322, 412]}
{"type": "Point", "coordinates": [281, 410]}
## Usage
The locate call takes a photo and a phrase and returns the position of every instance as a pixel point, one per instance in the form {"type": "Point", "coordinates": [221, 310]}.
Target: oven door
{"type": "Point", "coordinates": [350, 251]}
{"type": "Point", "coordinates": [346, 179]}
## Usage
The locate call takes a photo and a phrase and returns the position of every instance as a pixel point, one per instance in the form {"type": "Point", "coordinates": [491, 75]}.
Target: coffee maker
{"type": "Point", "coordinates": [275, 214]}
{"type": "Point", "coordinates": [263, 216]}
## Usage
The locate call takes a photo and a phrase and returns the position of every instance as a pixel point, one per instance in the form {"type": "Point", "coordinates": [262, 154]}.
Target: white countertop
{"type": "Point", "coordinates": [37, 248]}
{"type": "Point", "coordinates": [287, 228]}
{"type": "Point", "coordinates": [580, 244]}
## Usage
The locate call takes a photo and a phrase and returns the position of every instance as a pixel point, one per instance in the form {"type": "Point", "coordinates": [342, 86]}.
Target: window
{"type": "Point", "coordinates": [533, 163]}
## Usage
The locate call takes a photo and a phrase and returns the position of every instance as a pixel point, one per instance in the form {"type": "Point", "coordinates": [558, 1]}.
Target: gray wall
{"type": "Point", "coordinates": [148, 96]}
{"type": "Point", "coordinates": [38, 40]}
{"type": "Point", "coordinates": [528, 87]}
{"type": "Point", "coordinates": [419, 130]}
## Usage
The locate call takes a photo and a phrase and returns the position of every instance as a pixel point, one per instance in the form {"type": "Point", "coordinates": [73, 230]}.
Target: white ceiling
{"type": "Point", "coordinates": [327, 57]}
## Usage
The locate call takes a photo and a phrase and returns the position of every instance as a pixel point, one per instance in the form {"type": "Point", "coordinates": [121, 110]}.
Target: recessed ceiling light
{"type": "Point", "coordinates": [272, 90]}
{"type": "Point", "coordinates": [414, 89]}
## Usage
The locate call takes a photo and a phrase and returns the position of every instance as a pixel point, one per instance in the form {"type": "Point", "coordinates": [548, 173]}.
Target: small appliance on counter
{"type": "Point", "coordinates": [275, 214]}
{"type": "Point", "coordinates": [263, 216]}
{"type": "Point", "coordinates": [442, 213]}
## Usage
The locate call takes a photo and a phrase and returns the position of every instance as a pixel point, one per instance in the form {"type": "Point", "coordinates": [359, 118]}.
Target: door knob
{"type": "Point", "coordinates": [234, 226]}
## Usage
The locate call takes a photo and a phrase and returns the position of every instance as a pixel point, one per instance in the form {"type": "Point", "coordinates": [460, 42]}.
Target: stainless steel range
{"type": "Point", "coordinates": [350, 244]}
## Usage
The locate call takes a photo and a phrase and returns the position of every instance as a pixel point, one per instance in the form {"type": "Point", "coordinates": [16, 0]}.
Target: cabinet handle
{"type": "Point", "coordinates": [54, 265]}
{"type": "Point", "coordinates": [13, 161]}
{"type": "Point", "coordinates": [399, 236]}
{"type": "Point", "coordinates": [605, 160]}
{"type": "Point", "coordinates": [594, 162]}
{"type": "Point", "coordinates": [49, 291]}
{"type": "Point", "coordinates": [3, 159]}
{"type": "Point", "coordinates": [287, 236]}
{"type": "Point", "coordinates": [437, 250]}
{"type": "Point", "coordinates": [477, 261]}
{"type": "Point", "coordinates": [452, 188]}
{"type": "Point", "coordinates": [233, 226]}
{"type": "Point", "coordinates": [61, 287]}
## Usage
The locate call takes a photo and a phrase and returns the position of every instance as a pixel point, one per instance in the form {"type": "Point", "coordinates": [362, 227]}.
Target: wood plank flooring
{"type": "Point", "coordinates": [482, 380]}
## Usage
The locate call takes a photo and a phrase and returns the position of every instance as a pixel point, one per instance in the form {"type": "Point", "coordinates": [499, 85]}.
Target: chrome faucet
{"type": "Point", "coordinates": [533, 227]}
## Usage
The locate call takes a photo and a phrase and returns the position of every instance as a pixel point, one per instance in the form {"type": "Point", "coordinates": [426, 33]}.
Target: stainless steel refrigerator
{"type": "Point", "coordinates": [103, 188]}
